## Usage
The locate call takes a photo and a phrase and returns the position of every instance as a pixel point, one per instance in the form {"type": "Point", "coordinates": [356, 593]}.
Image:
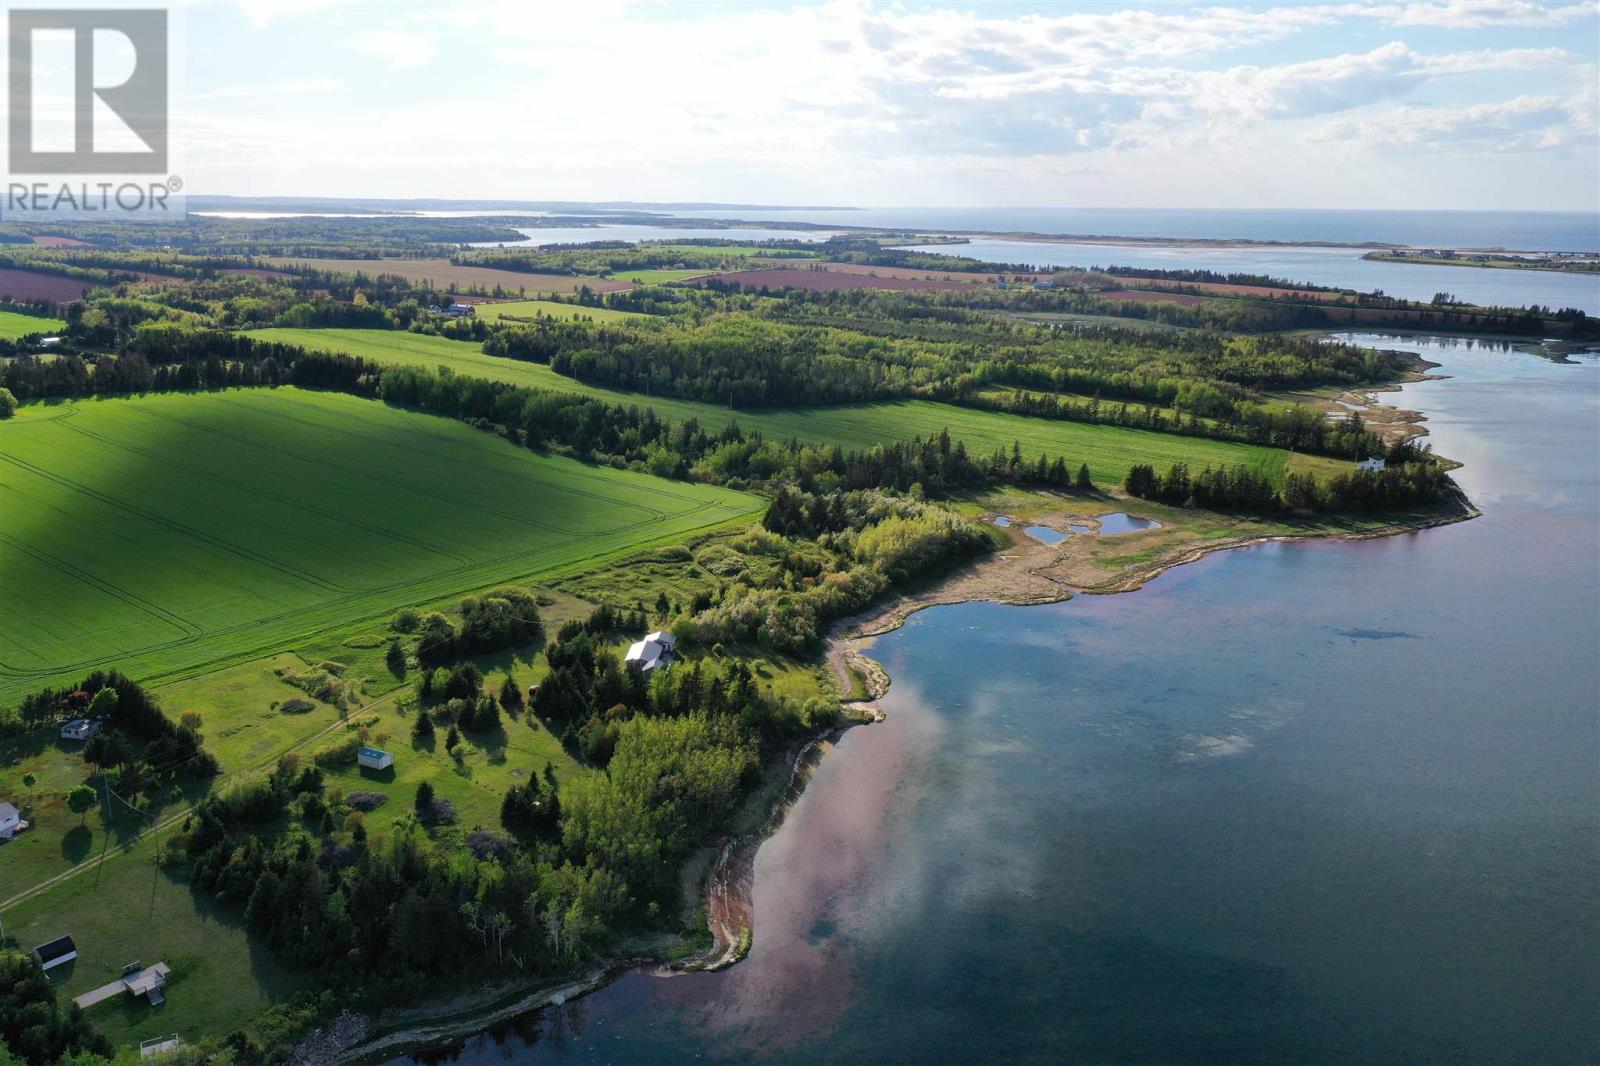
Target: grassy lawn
{"type": "Point", "coordinates": [522, 310]}
{"type": "Point", "coordinates": [14, 324]}
{"type": "Point", "coordinates": [131, 909]}
{"type": "Point", "coordinates": [181, 532]}
{"type": "Point", "coordinates": [1109, 450]}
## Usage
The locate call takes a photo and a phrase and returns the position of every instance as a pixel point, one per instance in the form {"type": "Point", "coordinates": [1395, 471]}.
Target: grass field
{"type": "Point", "coordinates": [1108, 450]}
{"type": "Point", "coordinates": [14, 324]}
{"type": "Point", "coordinates": [129, 908]}
{"type": "Point", "coordinates": [176, 533]}
{"type": "Point", "coordinates": [737, 251]}
{"type": "Point", "coordinates": [656, 276]}
{"type": "Point", "coordinates": [527, 309]}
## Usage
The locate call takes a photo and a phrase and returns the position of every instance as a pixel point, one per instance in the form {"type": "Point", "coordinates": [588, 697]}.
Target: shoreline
{"type": "Point", "coordinates": [1016, 575]}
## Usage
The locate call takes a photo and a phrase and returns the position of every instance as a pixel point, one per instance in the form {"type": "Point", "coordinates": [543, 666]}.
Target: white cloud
{"type": "Point", "coordinates": [646, 99]}
{"type": "Point", "coordinates": [1339, 83]}
{"type": "Point", "coordinates": [397, 49]}
{"type": "Point", "coordinates": [1522, 124]}
{"type": "Point", "coordinates": [1479, 14]}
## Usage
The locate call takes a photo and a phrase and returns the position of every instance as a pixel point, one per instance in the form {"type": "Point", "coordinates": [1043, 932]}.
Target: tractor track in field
{"type": "Point", "coordinates": [277, 498]}
{"type": "Point", "coordinates": [569, 551]}
{"type": "Point", "coordinates": [466, 504]}
{"type": "Point", "coordinates": [247, 554]}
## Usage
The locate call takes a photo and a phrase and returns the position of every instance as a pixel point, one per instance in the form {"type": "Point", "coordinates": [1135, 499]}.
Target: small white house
{"type": "Point", "coordinates": [374, 758]}
{"type": "Point", "coordinates": [653, 652]}
{"type": "Point", "coordinates": [49, 342]}
{"type": "Point", "coordinates": [81, 729]}
{"type": "Point", "coordinates": [1373, 464]}
{"type": "Point", "coordinates": [10, 821]}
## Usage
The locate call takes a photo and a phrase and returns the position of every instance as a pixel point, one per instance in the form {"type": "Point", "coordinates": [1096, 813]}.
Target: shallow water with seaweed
{"type": "Point", "coordinates": [1306, 802]}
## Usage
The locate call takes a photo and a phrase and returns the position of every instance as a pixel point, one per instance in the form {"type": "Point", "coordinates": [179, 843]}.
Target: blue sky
{"type": "Point", "coordinates": [1477, 104]}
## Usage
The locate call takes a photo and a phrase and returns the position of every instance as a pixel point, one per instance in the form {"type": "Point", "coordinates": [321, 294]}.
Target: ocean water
{"type": "Point", "coordinates": [1331, 802]}
{"type": "Point", "coordinates": [1523, 230]}
{"type": "Point", "coordinates": [1342, 268]}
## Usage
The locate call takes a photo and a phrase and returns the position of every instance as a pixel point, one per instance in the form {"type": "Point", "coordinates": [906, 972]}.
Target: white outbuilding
{"type": "Point", "coordinates": [10, 821]}
{"type": "Point", "coordinates": [1374, 464]}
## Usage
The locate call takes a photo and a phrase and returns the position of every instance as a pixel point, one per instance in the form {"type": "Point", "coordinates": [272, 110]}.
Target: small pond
{"type": "Point", "coordinates": [1123, 522]}
{"type": "Point", "coordinates": [1001, 520]}
{"type": "Point", "coordinates": [1046, 534]}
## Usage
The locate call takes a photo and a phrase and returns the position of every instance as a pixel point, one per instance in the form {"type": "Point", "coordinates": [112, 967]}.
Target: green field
{"type": "Point", "coordinates": [736, 251]}
{"type": "Point", "coordinates": [1108, 450]}
{"type": "Point", "coordinates": [657, 276]}
{"type": "Point", "coordinates": [179, 532]}
{"type": "Point", "coordinates": [127, 908]}
{"type": "Point", "coordinates": [14, 324]}
{"type": "Point", "coordinates": [527, 309]}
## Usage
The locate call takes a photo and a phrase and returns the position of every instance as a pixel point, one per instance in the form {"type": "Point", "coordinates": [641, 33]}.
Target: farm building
{"type": "Point", "coordinates": [1370, 464]}
{"type": "Point", "coordinates": [57, 952]}
{"type": "Point", "coordinates": [458, 310]}
{"type": "Point", "coordinates": [653, 652]}
{"type": "Point", "coordinates": [11, 822]}
{"type": "Point", "coordinates": [49, 342]}
{"type": "Point", "coordinates": [81, 729]}
{"type": "Point", "coordinates": [374, 758]}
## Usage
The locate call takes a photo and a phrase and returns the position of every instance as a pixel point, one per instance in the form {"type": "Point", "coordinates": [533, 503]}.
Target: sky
{"type": "Point", "coordinates": [1461, 104]}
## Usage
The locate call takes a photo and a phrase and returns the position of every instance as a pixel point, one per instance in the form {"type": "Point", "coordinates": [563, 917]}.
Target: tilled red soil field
{"type": "Point", "coordinates": [26, 285]}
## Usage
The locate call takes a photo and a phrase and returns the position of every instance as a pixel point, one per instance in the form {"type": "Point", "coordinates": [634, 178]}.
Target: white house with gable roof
{"type": "Point", "coordinates": [653, 652]}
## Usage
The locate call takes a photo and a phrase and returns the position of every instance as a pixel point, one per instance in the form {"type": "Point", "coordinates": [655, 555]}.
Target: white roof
{"type": "Point", "coordinates": [661, 636]}
{"type": "Point", "coordinates": [147, 978]}
{"type": "Point", "coordinates": [7, 812]}
{"type": "Point", "coordinates": [644, 651]}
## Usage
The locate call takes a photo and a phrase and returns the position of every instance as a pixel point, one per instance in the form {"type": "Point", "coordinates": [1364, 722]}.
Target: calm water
{"type": "Point", "coordinates": [633, 233]}
{"type": "Point", "coordinates": [1118, 522]}
{"type": "Point", "coordinates": [1554, 231]}
{"type": "Point", "coordinates": [1046, 534]}
{"type": "Point", "coordinates": [1300, 803]}
{"type": "Point", "coordinates": [1339, 267]}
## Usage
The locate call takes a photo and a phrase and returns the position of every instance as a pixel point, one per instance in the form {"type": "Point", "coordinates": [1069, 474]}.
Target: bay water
{"type": "Point", "coordinates": [1324, 802]}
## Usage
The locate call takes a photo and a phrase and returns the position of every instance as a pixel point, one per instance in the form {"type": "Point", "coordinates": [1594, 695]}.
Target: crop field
{"type": "Point", "coordinates": [14, 324]}
{"type": "Point", "coordinates": [655, 276]}
{"type": "Point", "coordinates": [1144, 296]}
{"type": "Point", "coordinates": [28, 286]}
{"type": "Point", "coordinates": [1109, 450]}
{"type": "Point", "coordinates": [1223, 288]}
{"type": "Point", "coordinates": [441, 274]}
{"type": "Point", "coordinates": [967, 277]}
{"type": "Point", "coordinates": [523, 310]}
{"type": "Point", "coordinates": [832, 280]}
{"type": "Point", "coordinates": [172, 534]}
